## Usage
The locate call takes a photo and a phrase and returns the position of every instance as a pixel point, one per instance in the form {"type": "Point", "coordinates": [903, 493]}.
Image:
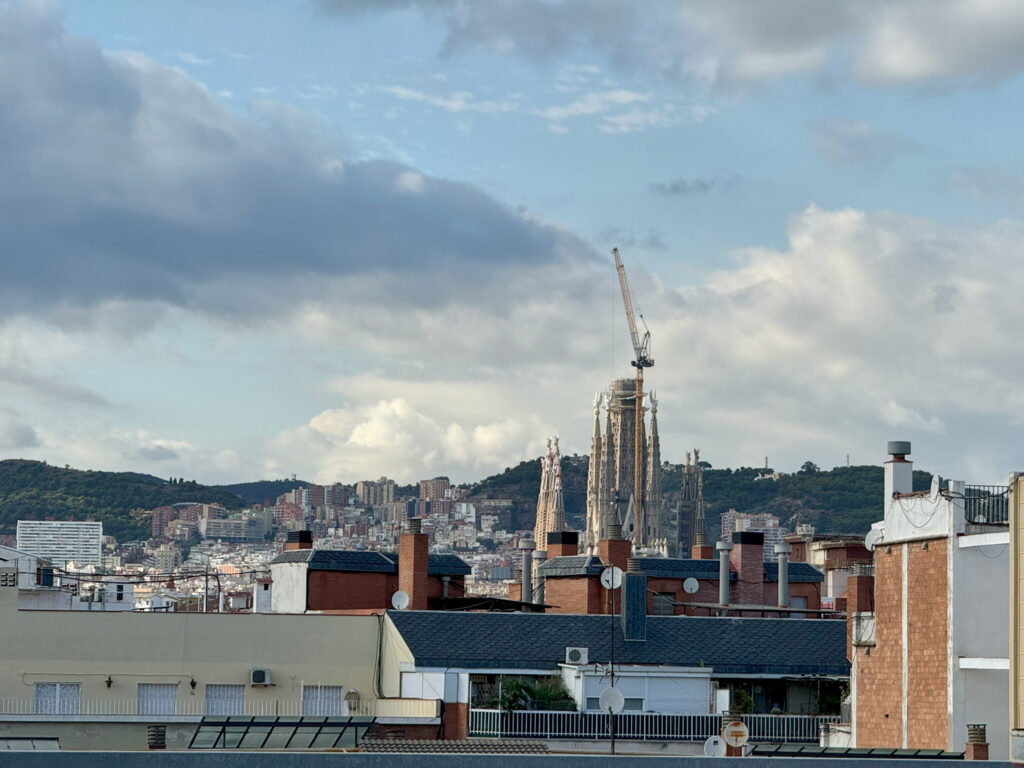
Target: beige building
{"type": "Point", "coordinates": [97, 679]}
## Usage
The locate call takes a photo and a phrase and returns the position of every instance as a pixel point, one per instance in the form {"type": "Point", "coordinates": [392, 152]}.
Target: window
{"type": "Point", "coordinates": [58, 698]}
{"type": "Point", "coordinates": [633, 705]}
{"type": "Point", "coordinates": [157, 698]}
{"type": "Point", "coordinates": [663, 604]}
{"type": "Point", "coordinates": [593, 703]}
{"type": "Point", "coordinates": [120, 592]}
{"type": "Point", "coordinates": [225, 699]}
{"type": "Point", "coordinates": [322, 700]}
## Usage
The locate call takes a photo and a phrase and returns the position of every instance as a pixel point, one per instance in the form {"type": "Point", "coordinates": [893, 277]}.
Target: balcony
{"type": "Point", "coordinates": [987, 504]}
{"type": "Point", "coordinates": [193, 708]}
{"type": "Point", "coordinates": [641, 726]}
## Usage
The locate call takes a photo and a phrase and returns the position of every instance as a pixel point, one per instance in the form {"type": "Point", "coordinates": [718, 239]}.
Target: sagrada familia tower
{"type": "Point", "coordinates": [691, 536]}
{"type": "Point", "coordinates": [610, 483]}
{"type": "Point", "coordinates": [550, 507]}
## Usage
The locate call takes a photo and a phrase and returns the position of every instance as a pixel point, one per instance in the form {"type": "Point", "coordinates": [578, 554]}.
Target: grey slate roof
{"type": "Point", "coordinates": [368, 562]}
{"type": "Point", "coordinates": [673, 568]}
{"type": "Point", "coordinates": [730, 646]}
{"type": "Point", "coordinates": [572, 565]}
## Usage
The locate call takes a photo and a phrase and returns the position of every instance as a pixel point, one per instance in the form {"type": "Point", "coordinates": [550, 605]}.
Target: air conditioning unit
{"type": "Point", "coordinates": [576, 655]}
{"type": "Point", "coordinates": [260, 677]}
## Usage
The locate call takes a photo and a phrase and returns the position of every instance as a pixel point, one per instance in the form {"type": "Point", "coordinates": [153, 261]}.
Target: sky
{"type": "Point", "coordinates": [341, 239]}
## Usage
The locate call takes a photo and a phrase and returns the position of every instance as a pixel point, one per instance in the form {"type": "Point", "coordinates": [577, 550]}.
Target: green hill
{"type": "Point", "coordinates": [841, 500]}
{"type": "Point", "coordinates": [259, 491]}
{"type": "Point", "coordinates": [34, 490]}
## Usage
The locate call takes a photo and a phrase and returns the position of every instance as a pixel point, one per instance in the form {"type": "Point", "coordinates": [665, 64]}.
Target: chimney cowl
{"type": "Point", "coordinates": [635, 565]}
{"type": "Point", "coordinates": [782, 548]}
{"type": "Point", "coordinates": [414, 525]}
{"type": "Point", "coordinates": [755, 538]}
{"type": "Point", "coordinates": [539, 555]}
{"type": "Point", "coordinates": [898, 448]}
{"type": "Point", "coordinates": [614, 531]}
{"type": "Point", "coordinates": [723, 546]}
{"type": "Point", "coordinates": [527, 544]}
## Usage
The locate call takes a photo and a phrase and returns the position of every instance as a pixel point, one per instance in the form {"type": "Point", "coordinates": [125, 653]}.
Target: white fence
{"type": "Point", "coordinates": [196, 706]}
{"type": "Point", "coordinates": [641, 726]}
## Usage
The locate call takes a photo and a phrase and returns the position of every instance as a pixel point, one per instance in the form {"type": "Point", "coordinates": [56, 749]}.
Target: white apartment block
{"type": "Point", "coordinates": [767, 524]}
{"type": "Point", "coordinates": [61, 541]}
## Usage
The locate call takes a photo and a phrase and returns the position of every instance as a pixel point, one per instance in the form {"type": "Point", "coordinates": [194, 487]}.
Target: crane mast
{"type": "Point", "coordinates": [641, 351]}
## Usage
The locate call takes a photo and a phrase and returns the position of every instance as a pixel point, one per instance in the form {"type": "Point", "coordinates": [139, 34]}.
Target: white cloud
{"type": "Point", "coordinates": [410, 181]}
{"type": "Point", "coordinates": [185, 57]}
{"type": "Point", "coordinates": [457, 101]}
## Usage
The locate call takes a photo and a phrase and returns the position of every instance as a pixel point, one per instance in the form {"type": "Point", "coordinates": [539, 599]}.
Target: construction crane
{"type": "Point", "coordinates": [642, 353]}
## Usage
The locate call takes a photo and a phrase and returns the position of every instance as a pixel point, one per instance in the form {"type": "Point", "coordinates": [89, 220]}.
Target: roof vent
{"type": "Point", "coordinates": [898, 447]}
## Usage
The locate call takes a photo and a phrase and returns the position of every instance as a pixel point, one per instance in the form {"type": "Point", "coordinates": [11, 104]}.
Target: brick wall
{"type": "Point", "coordinates": [576, 594]}
{"type": "Point", "coordinates": [927, 657]}
{"type": "Point", "coordinates": [880, 691]}
{"type": "Point", "coordinates": [335, 590]}
{"type": "Point", "coordinates": [879, 669]}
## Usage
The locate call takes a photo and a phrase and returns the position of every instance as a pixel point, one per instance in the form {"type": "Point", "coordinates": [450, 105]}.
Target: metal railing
{"type": "Point", "coordinates": [196, 706]}
{"type": "Point", "coordinates": [987, 504]}
{"type": "Point", "coordinates": [641, 726]}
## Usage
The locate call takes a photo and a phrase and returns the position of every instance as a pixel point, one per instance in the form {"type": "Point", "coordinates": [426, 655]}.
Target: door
{"type": "Point", "coordinates": [58, 698]}
{"type": "Point", "coordinates": [322, 700]}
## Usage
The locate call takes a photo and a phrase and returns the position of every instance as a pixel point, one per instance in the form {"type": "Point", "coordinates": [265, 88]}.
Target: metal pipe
{"type": "Point", "coordinates": [526, 546]}
{"type": "Point", "coordinates": [539, 556]}
{"type": "Point", "coordinates": [782, 551]}
{"type": "Point", "coordinates": [724, 548]}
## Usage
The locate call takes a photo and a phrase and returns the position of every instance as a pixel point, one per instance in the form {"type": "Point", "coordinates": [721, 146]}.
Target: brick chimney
{"type": "Point", "coordinates": [413, 555]}
{"type": "Point", "coordinates": [563, 544]}
{"type": "Point", "coordinates": [705, 552]}
{"type": "Point", "coordinates": [977, 743]}
{"type": "Point", "coordinates": [747, 559]}
{"type": "Point", "coordinates": [615, 550]}
{"type": "Point", "coordinates": [299, 540]}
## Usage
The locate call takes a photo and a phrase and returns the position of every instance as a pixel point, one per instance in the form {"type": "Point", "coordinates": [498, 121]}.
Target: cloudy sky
{"type": "Point", "coordinates": [344, 238]}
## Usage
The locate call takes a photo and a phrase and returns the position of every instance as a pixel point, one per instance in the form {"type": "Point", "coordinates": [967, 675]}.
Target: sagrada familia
{"type": "Point", "coordinates": [550, 506]}
{"type": "Point", "coordinates": [610, 482]}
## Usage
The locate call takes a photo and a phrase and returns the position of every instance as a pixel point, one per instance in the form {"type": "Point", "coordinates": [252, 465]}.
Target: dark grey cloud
{"type": "Point", "coordinates": [683, 187]}
{"type": "Point", "coordinates": [855, 143]}
{"type": "Point", "coordinates": [736, 44]}
{"type": "Point", "coordinates": [155, 453]}
{"type": "Point", "coordinates": [15, 433]}
{"type": "Point", "coordinates": [46, 387]}
{"type": "Point", "coordinates": [123, 180]}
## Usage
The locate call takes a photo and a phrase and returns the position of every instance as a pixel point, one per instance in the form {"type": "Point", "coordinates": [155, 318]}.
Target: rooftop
{"type": "Point", "coordinates": [730, 646]}
{"type": "Point", "coordinates": [368, 562]}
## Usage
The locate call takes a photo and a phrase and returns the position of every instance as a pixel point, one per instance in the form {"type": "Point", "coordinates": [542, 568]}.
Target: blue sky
{"type": "Point", "coordinates": [343, 239]}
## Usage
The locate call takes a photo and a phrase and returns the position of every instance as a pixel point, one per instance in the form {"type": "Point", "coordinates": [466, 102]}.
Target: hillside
{"type": "Point", "coordinates": [261, 490]}
{"type": "Point", "coordinates": [841, 500]}
{"type": "Point", "coordinates": [34, 490]}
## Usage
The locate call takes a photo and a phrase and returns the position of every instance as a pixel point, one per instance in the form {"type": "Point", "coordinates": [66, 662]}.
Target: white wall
{"type": "Point", "coordinates": [289, 592]}
{"type": "Point", "coordinates": [980, 596]}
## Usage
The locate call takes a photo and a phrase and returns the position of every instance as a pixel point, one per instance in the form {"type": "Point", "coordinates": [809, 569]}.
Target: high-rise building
{"type": "Point", "coordinates": [733, 521]}
{"type": "Point", "coordinates": [550, 506]}
{"type": "Point", "coordinates": [435, 490]}
{"type": "Point", "coordinates": [61, 541]}
{"type": "Point", "coordinates": [613, 462]}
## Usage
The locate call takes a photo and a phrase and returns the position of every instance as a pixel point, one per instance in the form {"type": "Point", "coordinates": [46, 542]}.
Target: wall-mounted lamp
{"type": "Point", "coordinates": [109, 681]}
{"type": "Point", "coordinates": [192, 683]}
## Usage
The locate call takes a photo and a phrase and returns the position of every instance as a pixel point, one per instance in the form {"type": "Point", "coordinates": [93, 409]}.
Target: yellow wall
{"type": "Point", "coordinates": [86, 647]}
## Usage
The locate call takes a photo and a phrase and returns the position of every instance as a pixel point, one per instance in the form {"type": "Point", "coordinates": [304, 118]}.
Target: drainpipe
{"type": "Point", "coordinates": [782, 551]}
{"type": "Point", "coordinates": [724, 548]}
{"type": "Point", "coordinates": [526, 547]}
{"type": "Point", "coordinates": [539, 556]}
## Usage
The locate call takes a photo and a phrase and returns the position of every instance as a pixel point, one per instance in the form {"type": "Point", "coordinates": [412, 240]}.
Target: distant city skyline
{"type": "Point", "coordinates": [341, 239]}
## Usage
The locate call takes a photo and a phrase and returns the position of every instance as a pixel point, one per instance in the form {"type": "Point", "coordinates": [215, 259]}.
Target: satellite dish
{"type": "Point", "coordinates": [611, 700]}
{"type": "Point", "coordinates": [400, 600]}
{"type": "Point", "coordinates": [691, 585]}
{"type": "Point", "coordinates": [873, 537]}
{"type": "Point", "coordinates": [735, 733]}
{"type": "Point", "coordinates": [714, 747]}
{"type": "Point", "coordinates": [611, 577]}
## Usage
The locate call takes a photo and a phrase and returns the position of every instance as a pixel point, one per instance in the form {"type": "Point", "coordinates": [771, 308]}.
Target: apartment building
{"type": "Point", "coordinates": [62, 541]}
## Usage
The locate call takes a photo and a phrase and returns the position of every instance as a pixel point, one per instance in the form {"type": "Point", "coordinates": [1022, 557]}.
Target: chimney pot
{"type": "Point", "coordinates": [614, 531]}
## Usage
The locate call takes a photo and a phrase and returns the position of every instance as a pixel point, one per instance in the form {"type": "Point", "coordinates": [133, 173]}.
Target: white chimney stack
{"type": "Point", "coordinates": [899, 471]}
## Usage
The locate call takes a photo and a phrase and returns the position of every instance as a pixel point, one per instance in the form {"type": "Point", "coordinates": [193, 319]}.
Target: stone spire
{"type": "Point", "coordinates": [652, 510]}
{"type": "Point", "coordinates": [550, 505]}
